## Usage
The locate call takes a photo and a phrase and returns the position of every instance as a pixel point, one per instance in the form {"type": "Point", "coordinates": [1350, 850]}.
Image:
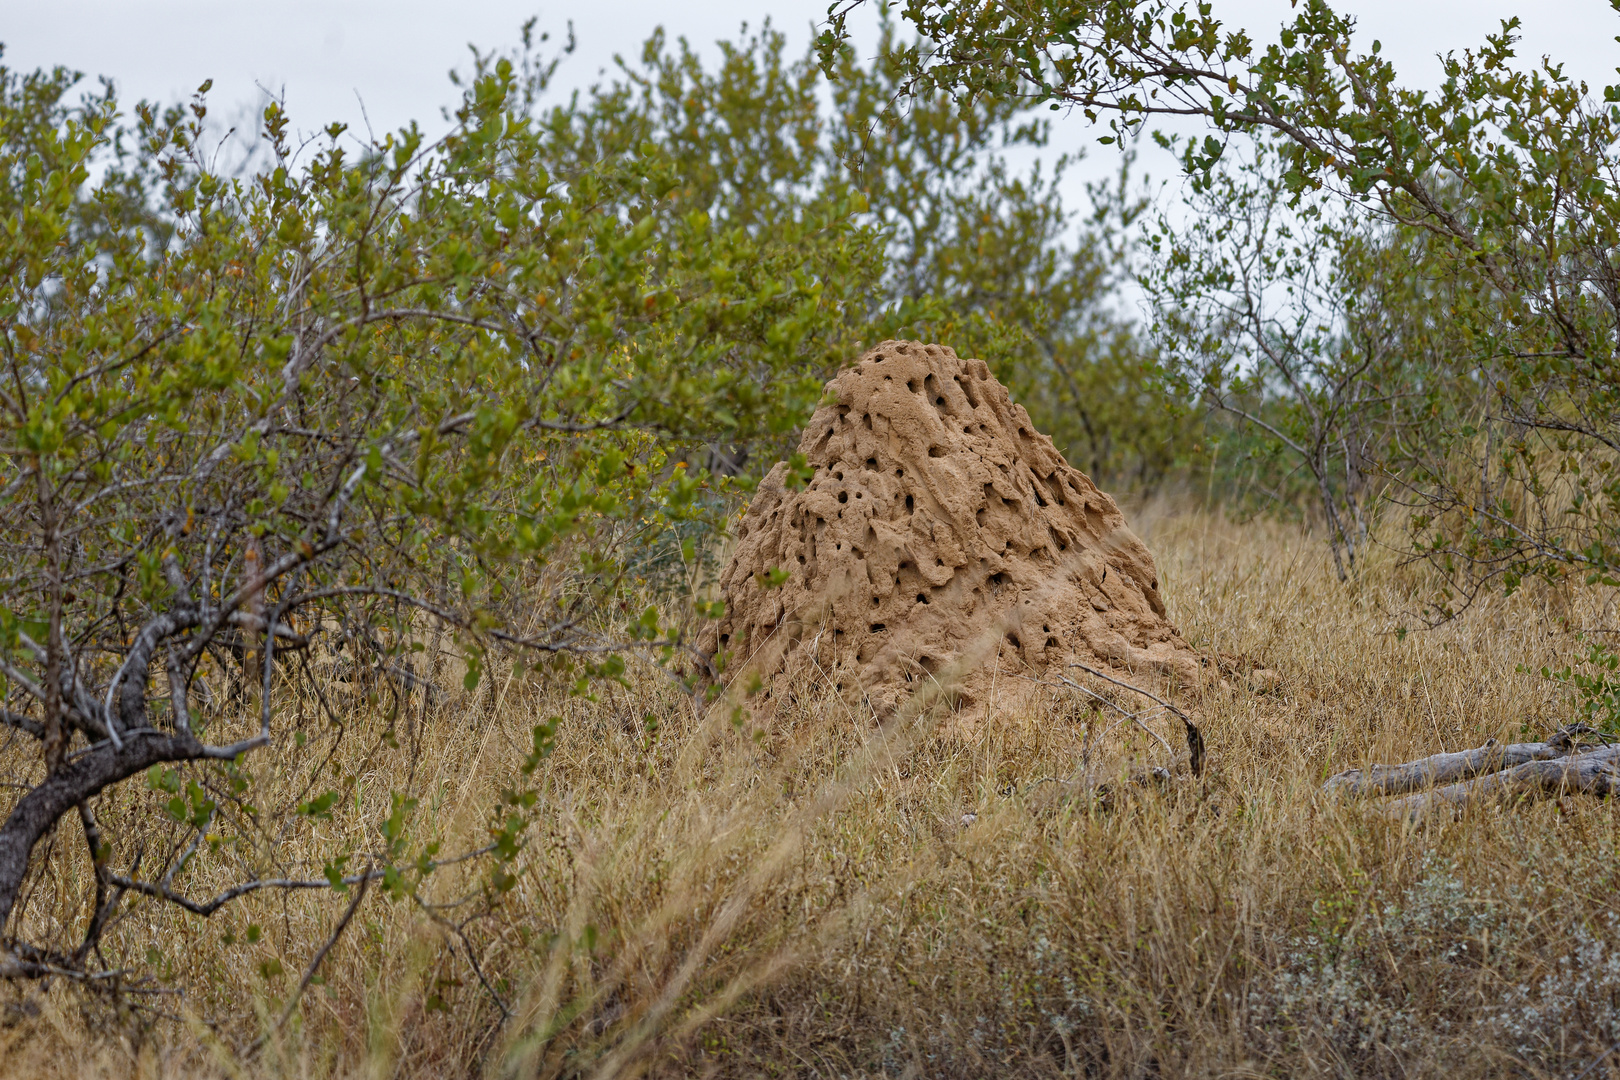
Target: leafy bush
{"type": "Point", "coordinates": [1508, 174]}
{"type": "Point", "coordinates": [323, 415]}
{"type": "Point", "coordinates": [969, 250]}
{"type": "Point", "coordinates": [364, 418]}
{"type": "Point", "coordinates": [1593, 687]}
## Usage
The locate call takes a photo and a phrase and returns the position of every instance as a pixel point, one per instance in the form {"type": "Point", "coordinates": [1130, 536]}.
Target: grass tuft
{"type": "Point", "coordinates": [821, 896]}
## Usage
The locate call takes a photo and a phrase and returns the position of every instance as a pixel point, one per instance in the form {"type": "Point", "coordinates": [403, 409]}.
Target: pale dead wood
{"type": "Point", "coordinates": [1441, 769]}
{"type": "Point", "coordinates": [1594, 773]}
{"type": "Point", "coordinates": [1561, 765]}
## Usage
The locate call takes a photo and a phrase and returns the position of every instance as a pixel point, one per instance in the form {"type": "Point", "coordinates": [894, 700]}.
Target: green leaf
{"type": "Point", "coordinates": [320, 806]}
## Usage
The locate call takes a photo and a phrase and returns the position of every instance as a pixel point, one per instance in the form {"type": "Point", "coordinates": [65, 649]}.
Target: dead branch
{"type": "Point", "coordinates": [1195, 738]}
{"type": "Point", "coordinates": [320, 954]}
{"type": "Point", "coordinates": [1561, 765]}
{"type": "Point", "coordinates": [1446, 768]}
{"type": "Point", "coordinates": [1594, 773]}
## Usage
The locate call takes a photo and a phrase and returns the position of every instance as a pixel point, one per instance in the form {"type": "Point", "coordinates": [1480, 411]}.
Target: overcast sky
{"type": "Point", "coordinates": [328, 55]}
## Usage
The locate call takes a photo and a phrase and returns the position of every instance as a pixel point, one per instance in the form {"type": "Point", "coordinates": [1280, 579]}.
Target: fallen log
{"type": "Point", "coordinates": [1561, 765]}
{"type": "Point", "coordinates": [1594, 773]}
{"type": "Point", "coordinates": [1439, 769]}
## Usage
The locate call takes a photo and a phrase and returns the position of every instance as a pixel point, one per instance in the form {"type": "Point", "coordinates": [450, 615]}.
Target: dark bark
{"type": "Point", "coordinates": [132, 688]}
{"type": "Point", "coordinates": [22, 723]}
{"type": "Point", "coordinates": [103, 907]}
{"type": "Point", "coordinates": [71, 784]}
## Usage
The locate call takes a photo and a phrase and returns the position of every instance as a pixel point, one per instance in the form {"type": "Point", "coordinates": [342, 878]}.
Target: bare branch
{"type": "Point", "coordinates": [326, 947]}
{"type": "Point", "coordinates": [208, 907]}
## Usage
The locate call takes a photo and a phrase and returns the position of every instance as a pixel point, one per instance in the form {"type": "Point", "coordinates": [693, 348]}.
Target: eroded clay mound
{"type": "Point", "coordinates": [938, 519]}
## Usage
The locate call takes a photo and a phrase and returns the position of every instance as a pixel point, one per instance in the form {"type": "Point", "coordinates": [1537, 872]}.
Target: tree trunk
{"type": "Point", "coordinates": [1583, 774]}
{"type": "Point", "coordinates": [70, 785]}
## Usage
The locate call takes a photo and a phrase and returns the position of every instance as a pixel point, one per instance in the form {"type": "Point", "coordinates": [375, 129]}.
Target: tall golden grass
{"type": "Point", "coordinates": [821, 896]}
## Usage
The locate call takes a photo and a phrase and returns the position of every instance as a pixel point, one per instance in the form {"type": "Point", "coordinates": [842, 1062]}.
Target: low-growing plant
{"type": "Point", "coordinates": [1593, 687]}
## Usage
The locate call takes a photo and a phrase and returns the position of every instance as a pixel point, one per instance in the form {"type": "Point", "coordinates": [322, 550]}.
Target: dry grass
{"type": "Point", "coordinates": [806, 899]}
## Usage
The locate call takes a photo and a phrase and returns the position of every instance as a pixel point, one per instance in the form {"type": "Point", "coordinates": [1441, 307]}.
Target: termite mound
{"type": "Point", "coordinates": [940, 537]}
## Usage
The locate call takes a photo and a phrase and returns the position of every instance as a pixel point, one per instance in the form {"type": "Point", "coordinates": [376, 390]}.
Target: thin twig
{"type": "Point", "coordinates": [320, 955]}
{"type": "Point", "coordinates": [1596, 1062]}
{"type": "Point", "coordinates": [208, 907]}
{"type": "Point", "coordinates": [472, 959]}
{"type": "Point", "coordinates": [1195, 738]}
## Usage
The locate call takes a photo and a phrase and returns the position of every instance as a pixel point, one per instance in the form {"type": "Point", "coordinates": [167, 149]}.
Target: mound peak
{"type": "Point", "coordinates": [936, 517]}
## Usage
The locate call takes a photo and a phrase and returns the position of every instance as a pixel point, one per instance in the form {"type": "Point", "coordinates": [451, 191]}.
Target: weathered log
{"type": "Point", "coordinates": [1596, 772]}
{"type": "Point", "coordinates": [1440, 769]}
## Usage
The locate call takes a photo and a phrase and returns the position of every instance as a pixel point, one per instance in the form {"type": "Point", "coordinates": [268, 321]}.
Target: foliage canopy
{"type": "Point", "coordinates": [1510, 173]}
{"type": "Point", "coordinates": [391, 413]}
{"type": "Point", "coordinates": [255, 424]}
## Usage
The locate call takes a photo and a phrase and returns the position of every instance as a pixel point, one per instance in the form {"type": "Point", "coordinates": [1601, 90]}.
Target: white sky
{"type": "Point", "coordinates": [393, 54]}
{"type": "Point", "coordinates": [327, 56]}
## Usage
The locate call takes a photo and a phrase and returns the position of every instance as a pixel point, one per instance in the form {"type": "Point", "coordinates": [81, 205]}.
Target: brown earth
{"type": "Point", "coordinates": [940, 533]}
